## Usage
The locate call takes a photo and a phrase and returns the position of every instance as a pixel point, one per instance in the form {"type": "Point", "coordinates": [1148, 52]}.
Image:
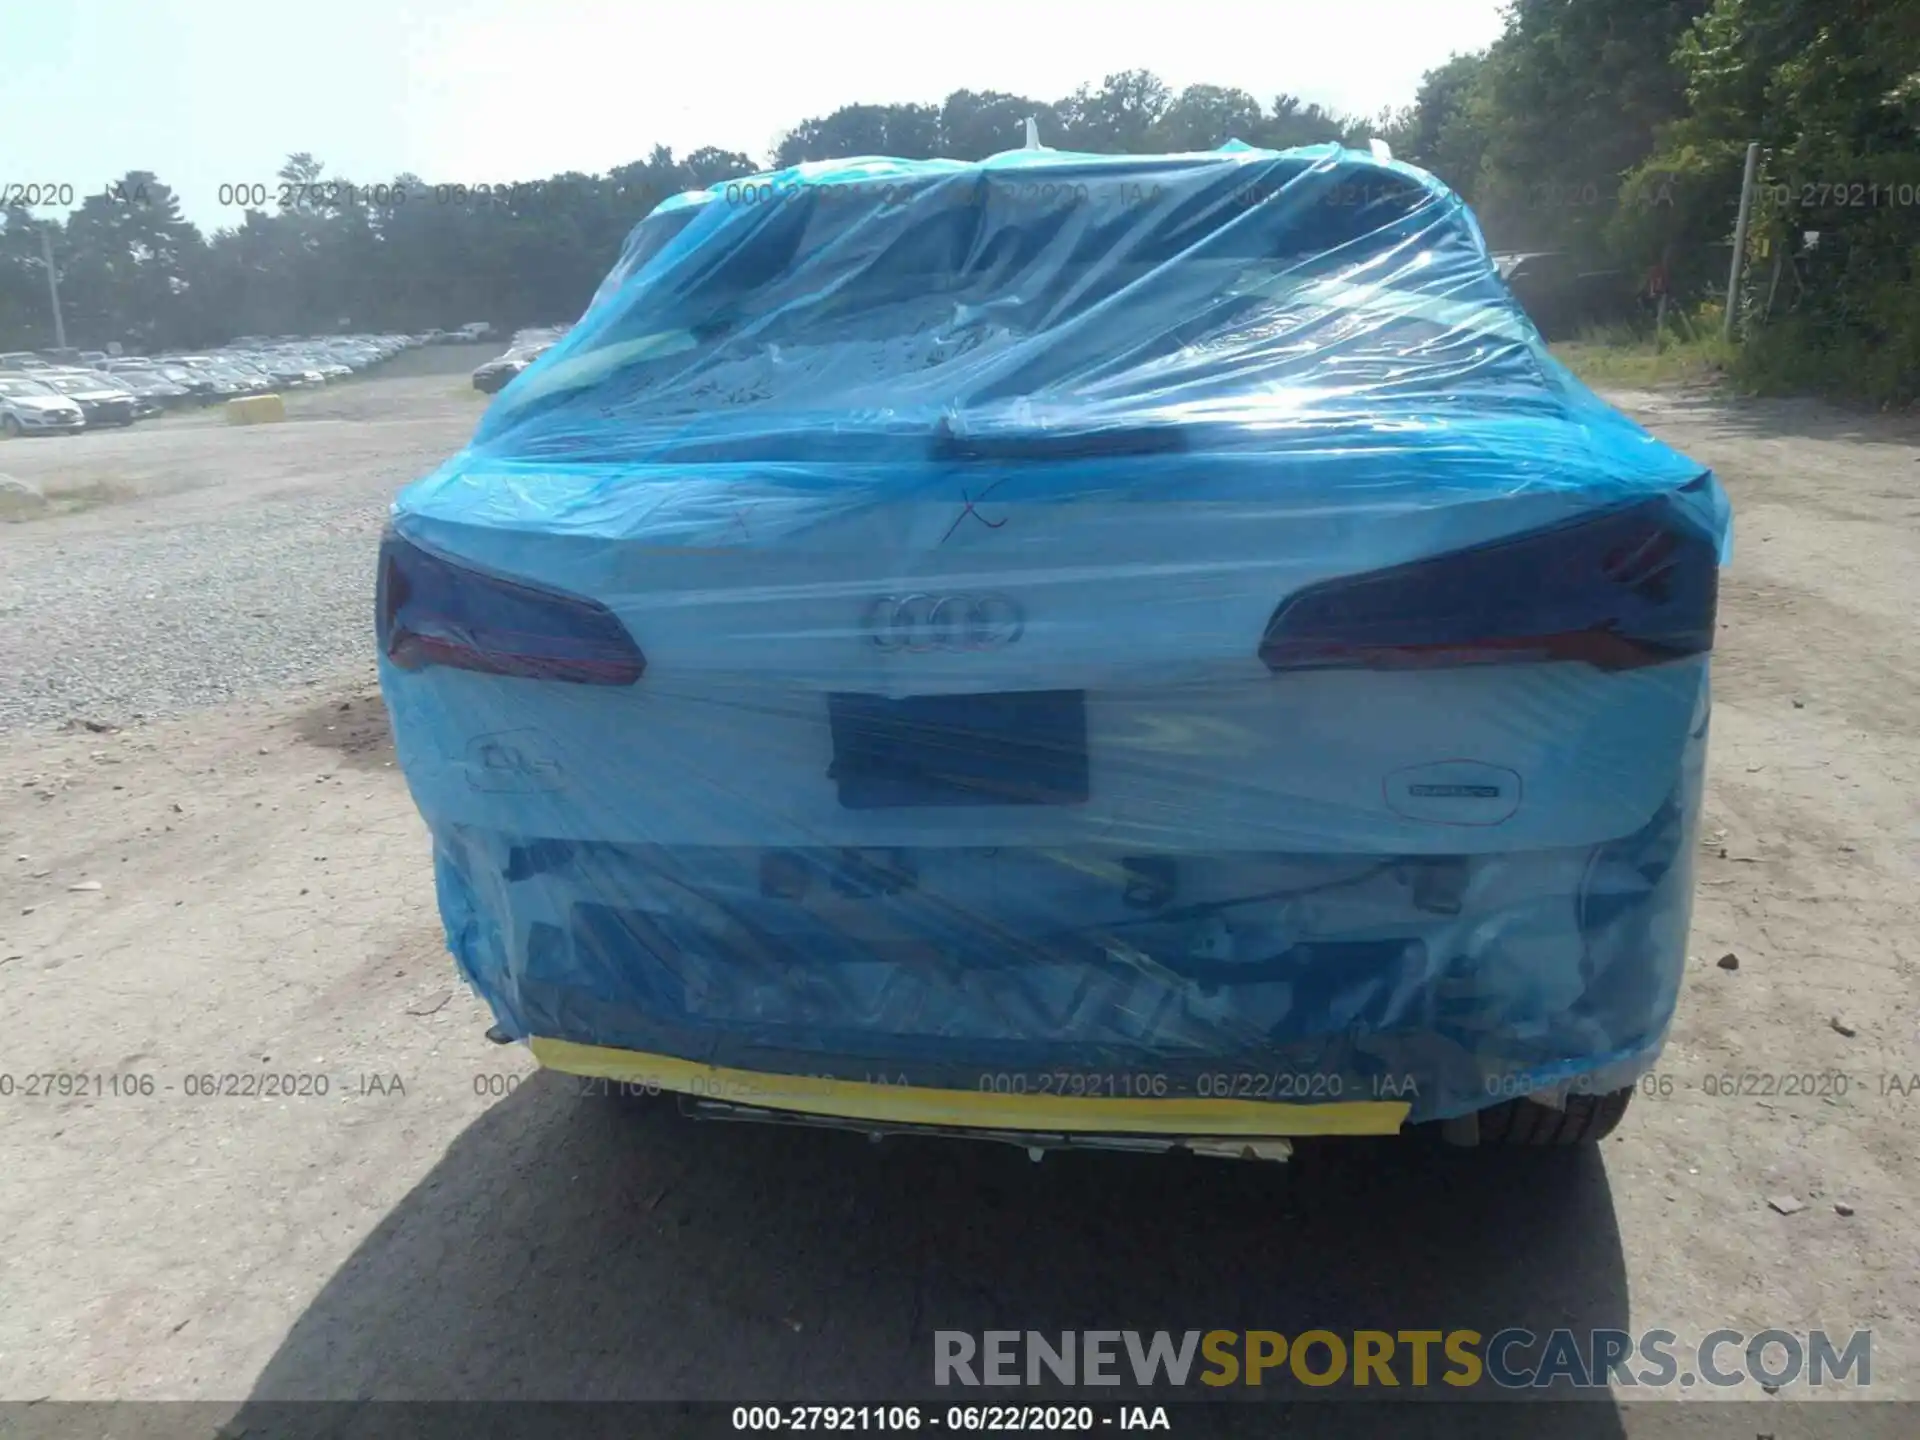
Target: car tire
{"type": "Point", "coordinates": [1528, 1125]}
{"type": "Point", "coordinates": [11, 426]}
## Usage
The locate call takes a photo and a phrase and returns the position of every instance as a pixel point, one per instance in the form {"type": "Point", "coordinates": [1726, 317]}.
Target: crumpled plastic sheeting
{"type": "Point", "coordinates": [1113, 411]}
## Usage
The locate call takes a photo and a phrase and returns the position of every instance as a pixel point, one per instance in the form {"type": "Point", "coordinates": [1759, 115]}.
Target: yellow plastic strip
{"type": "Point", "coordinates": [256, 410]}
{"type": "Point", "coordinates": [912, 1105]}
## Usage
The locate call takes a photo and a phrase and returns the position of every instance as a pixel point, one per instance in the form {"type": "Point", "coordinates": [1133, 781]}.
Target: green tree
{"type": "Point", "coordinates": [1119, 116]}
{"type": "Point", "coordinates": [710, 165]}
{"type": "Point", "coordinates": [977, 123]}
{"type": "Point", "coordinates": [911, 131]}
{"type": "Point", "coordinates": [1444, 130]}
{"type": "Point", "coordinates": [1293, 121]}
{"type": "Point", "coordinates": [1611, 129]}
{"type": "Point", "coordinates": [26, 317]}
{"type": "Point", "coordinates": [1832, 94]}
{"type": "Point", "coordinates": [1568, 101]}
{"type": "Point", "coordinates": [122, 260]}
{"type": "Point", "coordinates": [1205, 117]}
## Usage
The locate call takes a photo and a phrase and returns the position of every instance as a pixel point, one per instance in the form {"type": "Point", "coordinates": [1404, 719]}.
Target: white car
{"type": "Point", "coordinates": [102, 399]}
{"type": "Point", "coordinates": [28, 407]}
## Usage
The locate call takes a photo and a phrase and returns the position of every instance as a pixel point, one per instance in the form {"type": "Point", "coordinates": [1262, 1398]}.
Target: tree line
{"type": "Point", "coordinates": [1609, 132]}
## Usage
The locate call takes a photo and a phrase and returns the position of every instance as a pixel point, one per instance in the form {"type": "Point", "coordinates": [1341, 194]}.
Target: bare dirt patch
{"type": "Point", "coordinates": [353, 725]}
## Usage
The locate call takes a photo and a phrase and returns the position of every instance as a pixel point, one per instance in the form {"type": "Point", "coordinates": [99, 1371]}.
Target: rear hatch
{"type": "Point", "coordinates": [1058, 609]}
{"type": "Point", "coordinates": [822, 475]}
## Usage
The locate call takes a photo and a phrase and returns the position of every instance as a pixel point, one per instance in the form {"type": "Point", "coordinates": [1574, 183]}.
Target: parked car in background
{"type": "Point", "coordinates": [212, 382]}
{"type": "Point", "coordinates": [28, 407]}
{"type": "Point", "coordinates": [145, 404]}
{"type": "Point", "coordinates": [351, 357]}
{"type": "Point", "coordinates": [198, 384]}
{"type": "Point", "coordinates": [102, 400]}
{"type": "Point", "coordinates": [143, 385]}
{"type": "Point", "coordinates": [1562, 299]}
{"type": "Point", "coordinates": [152, 391]}
{"type": "Point", "coordinates": [254, 377]}
{"type": "Point", "coordinates": [329, 365]}
{"type": "Point", "coordinates": [127, 365]}
{"type": "Point", "coordinates": [528, 346]}
{"type": "Point", "coordinates": [228, 382]}
{"type": "Point", "coordinates": [474, 331]}
{"type": "Point", "coordinates": [247, 379]}
{"type": "Point", "coordinates": [289, 370]}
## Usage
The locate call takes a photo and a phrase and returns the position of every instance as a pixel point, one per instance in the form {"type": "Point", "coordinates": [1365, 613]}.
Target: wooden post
{"type": "Point", "coordinates": [1740, 237]}
{"type": "Point", "coordinates": [1773, 281]}
{"type": "Point", "coordinates": [53, 287]}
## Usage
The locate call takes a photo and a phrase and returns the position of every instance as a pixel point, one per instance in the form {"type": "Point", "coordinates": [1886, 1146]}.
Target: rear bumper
{"type": "Point", "coordinates": [1386, 984]}
{"type": "Point", "coordinates": [1036, 1114]}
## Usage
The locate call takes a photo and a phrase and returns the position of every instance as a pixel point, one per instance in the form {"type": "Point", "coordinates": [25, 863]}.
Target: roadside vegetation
{"type": "Point", "coordinates": [1611, 134]}
{"type": "Point", "coordinates": [1624, 358]}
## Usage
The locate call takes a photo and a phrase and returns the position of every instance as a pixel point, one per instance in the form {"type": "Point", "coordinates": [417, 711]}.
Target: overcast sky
{"type": "Point", "coordinates": [209, 91]}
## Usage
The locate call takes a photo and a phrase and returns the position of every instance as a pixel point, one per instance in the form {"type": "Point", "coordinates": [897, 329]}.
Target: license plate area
{"type": "Point", "coordinates": [1016, 748]}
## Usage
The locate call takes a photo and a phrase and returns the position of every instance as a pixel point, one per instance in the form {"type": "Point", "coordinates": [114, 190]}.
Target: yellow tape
{"type": "Point", "coordinates": [912, 1105]}
{"type": "Point", "coordinates": [256, 410]}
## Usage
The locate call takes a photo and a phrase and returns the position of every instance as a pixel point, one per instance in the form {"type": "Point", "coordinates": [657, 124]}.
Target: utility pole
{"type": "Point", "coordinates": [1660, 308]}
{"type": "Point", "coordinates": [53, 287]}
{"type": "Point", "coordinates": [1740, 237]}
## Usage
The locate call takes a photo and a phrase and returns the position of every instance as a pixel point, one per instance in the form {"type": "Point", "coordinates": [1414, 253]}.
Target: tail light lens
{"type": "Point", "coordinates": [1618, 590]}
{"type": "Point", "coordinates": [430, 611]}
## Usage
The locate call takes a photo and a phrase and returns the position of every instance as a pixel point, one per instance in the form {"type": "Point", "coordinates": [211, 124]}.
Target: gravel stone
{"type": "Point", "coordinates": [253, 576]}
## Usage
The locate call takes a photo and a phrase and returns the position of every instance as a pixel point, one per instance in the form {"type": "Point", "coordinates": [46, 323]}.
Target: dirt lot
{"type": "Point", "coordinates": [237, 884]}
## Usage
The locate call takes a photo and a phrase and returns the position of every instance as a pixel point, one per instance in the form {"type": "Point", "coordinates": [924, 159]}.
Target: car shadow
{"type": "Point", "coordinates": [582, 1248]}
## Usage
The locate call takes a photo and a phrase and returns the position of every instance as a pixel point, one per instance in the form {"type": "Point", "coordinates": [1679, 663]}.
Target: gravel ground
{"type": "Point", "coordinates": [210, 563]}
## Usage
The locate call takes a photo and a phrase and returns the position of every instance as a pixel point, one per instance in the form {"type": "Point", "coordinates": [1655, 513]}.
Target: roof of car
{"type": "Point", "coordinates": [1323, 306]}
{"type": "Point", "coordinates": [91, 377]}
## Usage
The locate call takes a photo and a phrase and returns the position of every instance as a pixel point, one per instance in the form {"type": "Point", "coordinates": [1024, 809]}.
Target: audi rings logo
{"type": "Point", "coordinates": [917, 624]}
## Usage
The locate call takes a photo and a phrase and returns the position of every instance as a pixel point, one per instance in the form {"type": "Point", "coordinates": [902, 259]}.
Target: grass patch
{"type": "Point", "coordinates": [1872, 364]}
{"type": "Point", "coordinates": [1692, 354]}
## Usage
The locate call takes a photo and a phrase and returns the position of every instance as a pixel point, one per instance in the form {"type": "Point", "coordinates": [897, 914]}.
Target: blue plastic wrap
{"type": "Point", "coordinates": [1148, 627]}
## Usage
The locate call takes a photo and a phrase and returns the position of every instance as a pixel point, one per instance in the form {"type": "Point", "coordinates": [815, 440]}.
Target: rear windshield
{"type": "Point", "coordinates": [878, 295]}
{"type": "Point", "coordinates": [1052, 246]}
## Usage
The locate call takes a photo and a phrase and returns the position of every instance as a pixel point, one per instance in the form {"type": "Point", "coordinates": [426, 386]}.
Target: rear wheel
{"type": "Point", "coordinates": [1526, 1124]}
{"type": "Point", "coordinates": [11, 425]}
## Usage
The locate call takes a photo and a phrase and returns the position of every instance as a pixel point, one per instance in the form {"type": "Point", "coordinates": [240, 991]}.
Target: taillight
{"type": "Point", "coordinates": [430, 611]}
{"type": "Point", "coordinates": [1618, 590]}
